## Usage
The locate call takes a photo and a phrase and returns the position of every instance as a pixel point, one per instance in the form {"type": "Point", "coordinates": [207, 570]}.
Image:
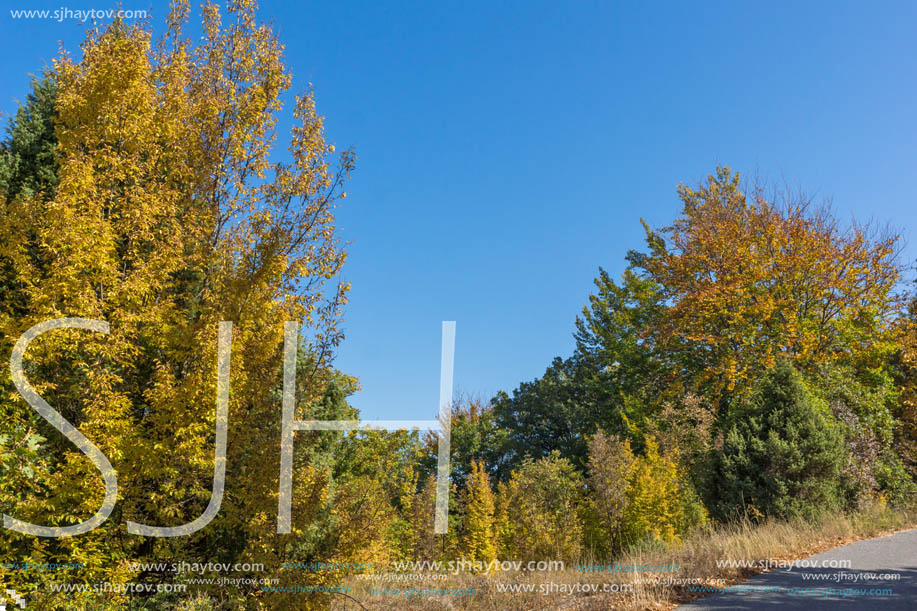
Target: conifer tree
{"type": "Point", "coordinates": [782, 453]}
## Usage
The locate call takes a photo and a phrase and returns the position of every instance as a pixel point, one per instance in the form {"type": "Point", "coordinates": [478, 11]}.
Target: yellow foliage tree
{"type": "Point", "coordinates": [638, 498]}
{"type": "Point", "coordinates": [425, 545]}
{"type": "Point", "coordinates": [539, 511]}
{"type": "Point", "coordinates": [478, 541]}
{"type": "Point", "coordinates": [654, 505]}
{"type": "Point", "coordinates": [749, 280]}
{"type": "Point", "coordinates": [169, 217]}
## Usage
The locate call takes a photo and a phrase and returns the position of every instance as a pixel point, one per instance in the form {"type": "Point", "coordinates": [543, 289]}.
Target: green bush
{"type": "Point", "coordinates": [864, 403]}
{"type": "Point", "coordinates": [781, 454]}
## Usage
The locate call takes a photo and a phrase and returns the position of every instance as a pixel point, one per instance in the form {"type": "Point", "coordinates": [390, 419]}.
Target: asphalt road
{"type": "Point", "coordinates": [847, 588]}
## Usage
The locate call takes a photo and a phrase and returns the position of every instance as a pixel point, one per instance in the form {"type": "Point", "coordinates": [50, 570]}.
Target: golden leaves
{"type": "Point", "coordinates": [169, 217]}
{"type": "Point", "coordinates": [749, 279]}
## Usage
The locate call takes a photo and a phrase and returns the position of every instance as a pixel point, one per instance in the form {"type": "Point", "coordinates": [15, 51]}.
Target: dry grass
{"type": "Point", "coordinates": [696, 558]}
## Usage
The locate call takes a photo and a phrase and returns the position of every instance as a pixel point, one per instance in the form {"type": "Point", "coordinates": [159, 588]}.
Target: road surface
{"type": "Point", "coordinates": [865, 585]}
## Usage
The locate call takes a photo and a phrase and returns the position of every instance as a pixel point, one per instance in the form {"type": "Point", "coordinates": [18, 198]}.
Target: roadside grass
{"type": "Point", "coordinates": [696, 557]}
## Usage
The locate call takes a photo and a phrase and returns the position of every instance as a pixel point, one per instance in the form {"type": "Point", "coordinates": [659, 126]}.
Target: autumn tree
{"type": "Point", "coordinates": [640, 497]}
{"type": "Point", "coordinates": [905, 433]}
{"type": "Point", "coordinates": [684, 428]}
{"type": "Point", "coordinates": [749, 279]}
{"type": "Point", "coordinates": [380, 469]}
{"type": "Point", "coordinates": [168, 216]}
{"type": "Point", "coordinates": [28, 168]}
{"type": "Point", "coordinates": [659, 499]}
{"type": "Point", "coordinates": [540, 513]}
{"type": "Point", "coordinates": [610, 463]}
{"type": "Point", "coordinates": [478, 537]}
{"type": "Point", "coordinates": [425, 544]}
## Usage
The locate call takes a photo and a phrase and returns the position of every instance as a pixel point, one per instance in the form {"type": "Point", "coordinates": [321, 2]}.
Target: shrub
{"type": "Point", "coordinates": [865, 405]}
{"type": "Point", "coordinates": [782, 452]}
{"type": "Point", "coordinates": [540, 510]}
{"type": "Point", "coordinates": [660, 503]}
{"type": "Point", "coordinates": [610, 461]}
{"type": "Point", "coordinates": [638, 498]}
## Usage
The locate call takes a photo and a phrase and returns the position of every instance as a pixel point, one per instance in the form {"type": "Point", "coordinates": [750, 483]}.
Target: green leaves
{"type": "Point", "coordinates": [33, 442]}
{"type": "Point", "coordinates": [27, 158]}
{"type": "Point", "coordinates": [782, 453]}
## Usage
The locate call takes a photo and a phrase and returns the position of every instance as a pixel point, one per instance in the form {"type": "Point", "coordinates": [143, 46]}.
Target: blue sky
{"type": "Point", "coordinates": [506, 150]}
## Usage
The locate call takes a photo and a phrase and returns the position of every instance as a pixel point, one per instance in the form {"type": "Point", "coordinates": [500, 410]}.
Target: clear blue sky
{"type": "Point", "coordinates": [506, 150]}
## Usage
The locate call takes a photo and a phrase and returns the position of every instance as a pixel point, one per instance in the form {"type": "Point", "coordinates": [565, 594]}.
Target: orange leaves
{"type": "Point", "coordinates": [748, 279]}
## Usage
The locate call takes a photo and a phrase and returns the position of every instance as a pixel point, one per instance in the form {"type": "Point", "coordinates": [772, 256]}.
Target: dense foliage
{"type": "Point", "coordinates": [781, 453]}
{"type": "Point", "coordinates": [754, 361]}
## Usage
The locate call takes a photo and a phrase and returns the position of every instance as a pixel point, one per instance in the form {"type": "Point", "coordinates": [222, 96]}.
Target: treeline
{"type": "Point", "coordinates": [754, 360]}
